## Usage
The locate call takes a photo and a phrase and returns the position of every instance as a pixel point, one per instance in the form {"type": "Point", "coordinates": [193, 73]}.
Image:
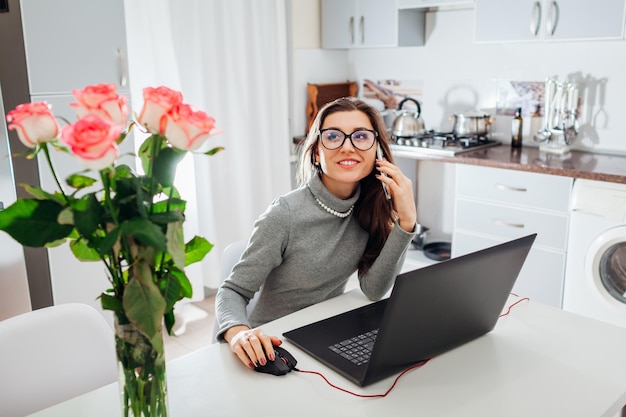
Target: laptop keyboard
{"type": "Point", "coordinates": [357, 349]}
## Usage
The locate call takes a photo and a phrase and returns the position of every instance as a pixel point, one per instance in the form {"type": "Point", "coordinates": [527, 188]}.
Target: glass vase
{"type": "Point", "coordinates": [143, 384]}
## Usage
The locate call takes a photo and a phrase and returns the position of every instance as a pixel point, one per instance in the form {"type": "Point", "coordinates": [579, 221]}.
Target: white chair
{"type": "Point", "coordinates": [231, 255]}
{"type": "Point", "coordinates": [53, 354]}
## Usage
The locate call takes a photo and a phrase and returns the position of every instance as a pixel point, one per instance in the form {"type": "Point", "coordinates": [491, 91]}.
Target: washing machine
{"type": "Point", "coordinates": [595, 270]}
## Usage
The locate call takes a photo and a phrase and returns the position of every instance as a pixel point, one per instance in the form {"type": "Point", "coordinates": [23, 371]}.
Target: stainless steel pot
{"type": "Point", "coordinates": [471, 124]}
{"type": "Point", "coordinates": [408, 123]}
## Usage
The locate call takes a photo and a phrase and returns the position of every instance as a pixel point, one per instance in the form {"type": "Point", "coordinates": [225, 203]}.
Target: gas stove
{"type": "Point", "coordinates": [440, 144]}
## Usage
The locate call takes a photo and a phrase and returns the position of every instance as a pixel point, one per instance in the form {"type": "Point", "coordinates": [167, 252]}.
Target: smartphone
{"type": "Point", "coordinates": [379, 155]}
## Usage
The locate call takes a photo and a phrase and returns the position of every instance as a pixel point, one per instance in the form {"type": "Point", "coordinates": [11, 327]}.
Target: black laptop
{"type": "Point", "coordinates": [430, 311]}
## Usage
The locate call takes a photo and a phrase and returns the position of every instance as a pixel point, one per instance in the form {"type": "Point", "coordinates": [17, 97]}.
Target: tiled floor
{"type": "Point", "coordinates": [198, 329]}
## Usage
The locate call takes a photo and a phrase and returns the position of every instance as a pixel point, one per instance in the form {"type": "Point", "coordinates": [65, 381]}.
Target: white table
{"type": "Point", "coordinates": [538, 361]}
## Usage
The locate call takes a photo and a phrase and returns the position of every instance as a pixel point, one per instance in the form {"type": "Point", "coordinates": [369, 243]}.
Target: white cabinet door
{"type": "Point", "coordinates": [584, 19]}
{"type": "Point", "coordinates": [359, 23]}
{"type": "Point", "coordinates": [377, 23]}
{"type": "Point", "coordinates": [507, 20]}
{"type": "Point", "coordinates": [493, 206]}
{"type": "Point", "coordinates": [541, 277]}
{"type": "Point", "coordinates": [338, 23]}
{"type": "Point", "coordinates": [415, 4]}
{"type": "Point", "coordinates": [74, 43]}
{"type": "Point", "coordinates": [534, 20]}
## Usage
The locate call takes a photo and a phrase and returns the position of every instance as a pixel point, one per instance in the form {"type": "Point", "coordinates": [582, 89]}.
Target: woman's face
{"type": "Point", "coordinates": [343, 168]}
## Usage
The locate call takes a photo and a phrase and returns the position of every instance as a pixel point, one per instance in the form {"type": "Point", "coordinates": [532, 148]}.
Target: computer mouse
{"type": "Point", "coordinates": [283, 363]}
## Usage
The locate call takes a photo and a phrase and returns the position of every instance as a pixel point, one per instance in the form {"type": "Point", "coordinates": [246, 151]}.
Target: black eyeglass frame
{"type": "Point", "coordinates": [347, 136]}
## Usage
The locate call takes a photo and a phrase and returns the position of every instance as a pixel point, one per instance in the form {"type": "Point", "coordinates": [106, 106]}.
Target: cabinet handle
{"type": "Point", "coordinates": [351, 29]}
{"type": "Point", "coordinates": [504, 187]}
{"type": "Point", "coordinates": [553, 18]}
{"type": "Point", "coordinates": [362, 29]}
{"type": "Point", "coordinates": [507, 224]}
{"type": "Point", "coordinates": [123, 67]}
{"type": "Point", "coordinates": [535, 19]}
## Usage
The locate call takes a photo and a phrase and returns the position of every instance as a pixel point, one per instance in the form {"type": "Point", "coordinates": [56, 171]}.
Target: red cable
{"type": "Point", "coordinates": [366, 395]}
{"type": "Point", "coordinates": [514, 304]}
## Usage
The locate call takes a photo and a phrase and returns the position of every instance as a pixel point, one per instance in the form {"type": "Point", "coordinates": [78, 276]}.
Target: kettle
{"type": "Point", "coordinates": [408, 123]}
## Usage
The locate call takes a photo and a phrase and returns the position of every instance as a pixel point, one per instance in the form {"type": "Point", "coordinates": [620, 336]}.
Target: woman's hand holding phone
{"type": "Point", "coordinates": [379, 155]}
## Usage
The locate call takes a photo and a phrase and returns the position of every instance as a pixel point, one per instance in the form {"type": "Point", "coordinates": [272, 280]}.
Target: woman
{"type": "Point", "coordinates": [304, 248]}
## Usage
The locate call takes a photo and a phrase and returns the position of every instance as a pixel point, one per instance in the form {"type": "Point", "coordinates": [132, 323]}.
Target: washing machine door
{"type": "Point", "coordinates": [606, 264]}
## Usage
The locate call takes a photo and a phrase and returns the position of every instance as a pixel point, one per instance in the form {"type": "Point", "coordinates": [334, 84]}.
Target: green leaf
{"type": "Point", "coordinates": [144, 154]}
{"type": "Point", "coordinates": [172, 292]}
{"type": "Point", "coordinates": [66, 216]}
{"type": "Point", "coordinates": [33, 222]}
{"type": "Point", "coordinates": [171, 204]}
{"type": "Point", "coordinates": [87, 214]}
{"type": "Point", "coordinates": [144, 305]}
{"type": "Point", "coordinates": [40, 194]}
{"type": "Point", "coordinates": [122, 171]}
{"type": "Point", "coordinates": [169, 321]}
{"type": "Point", "coordinates": [80, 181]}
{"type": "Point", "coordinates": [164, 169]}
{"type": "Point", "coordinates": [186, 290]}
{"type": "Point", "coordinates": [109, 240]}
{"type": "Point", "coordinates": [110, 302]}
{"type": "Point", "coordinates": [214, 151]}
{"type": "Point", "coordinates": [173, 193]}
{"type": "Point", "coordinates": [145, 151]}
{"type": "Point", "coordinates": [176, 243]}
{"type": "Point", "coordinates": [83, 252]}
{"type": "Point", "coordinates": [196, 249]}
{"type": "Point", "coordinates": [121, 138]}
{"type": "Point", "coordinates": [55, 243]}
{"type": "Point", "coordinates": [146, 232]}
{"type": "Point", "coordinates": [167, 217]}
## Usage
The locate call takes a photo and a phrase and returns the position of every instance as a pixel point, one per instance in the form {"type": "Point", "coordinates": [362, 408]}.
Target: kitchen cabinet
{"type": "Point", "coordinates": [416, 4]}
{"type": "Point", "coordinates": [370, 23]}
{"type": "Point", "coordinates": [495, 205]}
{"type": "Point", "coordinates": [74, 43]}
{"type": "Point", "coordinates": [548, 20]}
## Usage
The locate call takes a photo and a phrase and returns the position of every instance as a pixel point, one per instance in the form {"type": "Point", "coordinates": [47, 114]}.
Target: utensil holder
{"type": "Point", "coordinates": [555, 143]}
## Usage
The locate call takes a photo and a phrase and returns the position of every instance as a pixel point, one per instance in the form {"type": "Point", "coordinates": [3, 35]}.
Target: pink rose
{"type": "Point", "coordinates": [157, 101]}
{"type": "Point", "coordinates": [34, 123]}
{"type": "Point", "coordinates": [92, 140]}
{"type": "Point", "coordinates": [187, 128]}
{"type": "Point", "coordinates": [101, 100]}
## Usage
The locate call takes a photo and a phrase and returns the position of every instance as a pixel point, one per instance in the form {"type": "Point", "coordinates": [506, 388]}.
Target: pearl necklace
{"type": "Point", "coordinates": [339, 214]}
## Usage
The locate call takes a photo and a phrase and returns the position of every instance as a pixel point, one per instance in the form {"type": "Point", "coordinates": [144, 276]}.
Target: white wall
{"type": "Point", "coordinates": [460, 75]}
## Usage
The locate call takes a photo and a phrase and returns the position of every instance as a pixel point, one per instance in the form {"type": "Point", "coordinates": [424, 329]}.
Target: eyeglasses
{"type": "Point", "coordinates": [362, 139]}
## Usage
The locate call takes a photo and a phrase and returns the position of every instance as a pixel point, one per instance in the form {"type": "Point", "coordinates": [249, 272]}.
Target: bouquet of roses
{"type": "Point", "coordinates": [130, 221]}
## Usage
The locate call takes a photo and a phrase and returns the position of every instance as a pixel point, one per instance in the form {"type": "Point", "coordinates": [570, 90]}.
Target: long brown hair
{"type": "Point", "coordinates": [373, 212]}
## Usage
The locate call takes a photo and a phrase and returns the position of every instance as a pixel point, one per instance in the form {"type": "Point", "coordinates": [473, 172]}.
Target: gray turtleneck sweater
{"type": "Point", "coordinates": [300, 254]}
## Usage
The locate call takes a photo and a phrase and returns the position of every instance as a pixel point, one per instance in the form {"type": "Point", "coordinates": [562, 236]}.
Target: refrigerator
{"type": "Point", "coordinates": [14, 294]}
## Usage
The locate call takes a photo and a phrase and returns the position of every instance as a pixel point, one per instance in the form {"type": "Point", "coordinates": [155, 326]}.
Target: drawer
{"type": "Point", "coordinates": [549, 192]}
{"type": "Point", "coordinates": [509, 222]}
{"type": "Point", "coordinates": [541, 277]}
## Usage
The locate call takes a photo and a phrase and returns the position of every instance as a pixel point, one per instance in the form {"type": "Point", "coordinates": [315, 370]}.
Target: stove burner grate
{"type": "Point", "coordinates": [445, 143]}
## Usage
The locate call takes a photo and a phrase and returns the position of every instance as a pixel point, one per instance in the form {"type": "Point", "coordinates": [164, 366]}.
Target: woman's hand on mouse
{"type": "Point", "coordinates": [252, 346]}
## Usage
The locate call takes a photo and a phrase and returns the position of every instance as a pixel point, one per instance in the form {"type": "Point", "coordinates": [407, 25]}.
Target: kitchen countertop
{"type": "Point", "coordinates": [575, 164]}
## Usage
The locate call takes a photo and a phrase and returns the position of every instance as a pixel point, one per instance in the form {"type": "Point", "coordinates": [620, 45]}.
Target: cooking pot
{"type": "Point", "coordinates": [471, 124]}
{"type": "Point", "coordinates": [407, 122]}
